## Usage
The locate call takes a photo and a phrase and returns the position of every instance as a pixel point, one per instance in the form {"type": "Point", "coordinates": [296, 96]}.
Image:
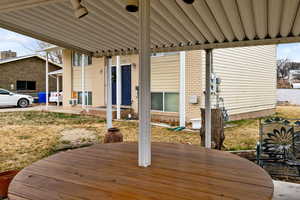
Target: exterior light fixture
{"type": "Point", "coordinates": [132, 5]}
{"type": "Point", "coordinates": [189, 1]}
{"type": "Point", "coordinates": [79, 10]}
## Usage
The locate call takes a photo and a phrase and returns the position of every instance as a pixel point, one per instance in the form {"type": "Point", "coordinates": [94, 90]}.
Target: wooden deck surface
{"type": "Point", "coordinates": [110, 171]}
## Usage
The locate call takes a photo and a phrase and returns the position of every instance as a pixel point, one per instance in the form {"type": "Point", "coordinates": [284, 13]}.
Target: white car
{"type": "Point", "coordinates": [8, 98]}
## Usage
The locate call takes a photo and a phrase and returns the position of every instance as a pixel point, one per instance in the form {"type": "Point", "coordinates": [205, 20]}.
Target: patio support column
{"type": "Point", "coordinates": [208, 68]}
{"type": "Point", "coordinates": [47, 80]}
{"type": "Point", "coordinates": [144, 84]}
{"type": "Point", "coordinates": [182, 117]}
{"type": "Point", "coordinates": [82, 81]}
{"type": "Point", "coordinates": [108, 93]}
{"type": "Point", "coordinates": [119, 86]}
{"type": "Point", "coordinates": [57, 89]}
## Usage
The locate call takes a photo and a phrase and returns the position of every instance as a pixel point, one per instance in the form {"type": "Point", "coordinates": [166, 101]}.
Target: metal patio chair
{"type": "Point", "coordinates": [279, 143]}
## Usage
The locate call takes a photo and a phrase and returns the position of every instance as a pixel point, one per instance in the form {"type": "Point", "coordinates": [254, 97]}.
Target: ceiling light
{"type": "Point", "coordinates": [79, 10]}
{"type": "Point", "coordinates": [132, 5]}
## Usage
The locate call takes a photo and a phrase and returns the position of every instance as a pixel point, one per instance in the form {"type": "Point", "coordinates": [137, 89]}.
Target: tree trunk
{"type": "Point", "coordinates": [217, 132]}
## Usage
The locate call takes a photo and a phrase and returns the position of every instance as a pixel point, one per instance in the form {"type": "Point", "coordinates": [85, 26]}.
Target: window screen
{"type": "Point", "coordinates": [165, 101]}
{"type": "Point", "coordinates": [21, 85]}
{"type": "Point", "coordinates": [31, 85]}
{"type": "Point", "coordinates": [157, 101]}
{"type": "Point", "coordinates": [77, 59]}
{"type": "Point", "coordinates": [88, 98]}
{"type": "Point", "coordinates": [171, 102]}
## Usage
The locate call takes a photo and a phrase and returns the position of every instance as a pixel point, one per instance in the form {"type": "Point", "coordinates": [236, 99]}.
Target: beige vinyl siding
{"type": "Point", "coordinates": [165, 73]}
{"type": "Point", "coordinates": [94, 80]}
{"type": "Point", "coordinates": [248, 77]}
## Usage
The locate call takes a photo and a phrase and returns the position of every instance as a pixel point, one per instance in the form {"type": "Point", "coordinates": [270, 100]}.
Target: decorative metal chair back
{"type": "Point", "coordinates": [297, 144]}
{"type": "Point", "coordinates": [277, 139]}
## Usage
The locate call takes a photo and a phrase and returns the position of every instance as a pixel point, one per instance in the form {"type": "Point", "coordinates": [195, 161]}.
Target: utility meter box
{"type": "Point", "coordinates": [193, 99]}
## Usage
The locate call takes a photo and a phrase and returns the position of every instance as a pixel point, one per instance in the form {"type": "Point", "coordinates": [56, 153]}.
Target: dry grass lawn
{"type": "Point", "coordinates": [29, 136]}
{"type": "Point", "coordinates": [245, 134]}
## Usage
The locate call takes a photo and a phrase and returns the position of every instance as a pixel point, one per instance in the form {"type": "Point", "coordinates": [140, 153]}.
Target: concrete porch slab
{"type": "Point", "coordinates": [286, 191]}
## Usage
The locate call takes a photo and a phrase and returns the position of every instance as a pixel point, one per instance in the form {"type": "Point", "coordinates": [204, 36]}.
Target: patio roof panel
{"type": "Point", "coordinates": [109, 29]}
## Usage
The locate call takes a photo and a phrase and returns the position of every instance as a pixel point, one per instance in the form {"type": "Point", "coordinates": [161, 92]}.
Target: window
{"type": "Point", "coordinates": [88, 98]}
{"type": "Point", "coordinates": [165, 101]}
{"type": "Point", "coordinates": [77, 59]}
{"type": "Point", "coordinates": [171, 102]}
{"type": "Point", "coordinates": [4, 92]}
{"type": "Point", "coordinates": [164, 54]}
{"type": "Point", "coordinates": [31, 85]}
{"type": "Point", "coordinates": [26, 85]}
{"type": "Point", "coordinates": [157, 101]}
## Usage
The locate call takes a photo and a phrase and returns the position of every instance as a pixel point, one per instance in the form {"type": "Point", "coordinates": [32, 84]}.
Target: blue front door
{"type": "Point", "coordinates": [126, 85]}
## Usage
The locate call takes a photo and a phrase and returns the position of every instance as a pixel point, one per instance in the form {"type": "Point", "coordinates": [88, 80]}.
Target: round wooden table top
{"type": "Point", "coordinates": [110, 171]}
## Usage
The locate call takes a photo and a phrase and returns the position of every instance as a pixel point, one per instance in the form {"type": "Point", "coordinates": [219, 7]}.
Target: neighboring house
{"type": "Point", "coordinates": [248, 81]}
{"type": "Point", "coordinates": [26, 74]}
{"type": "Point", "coordinates": [7, 54]}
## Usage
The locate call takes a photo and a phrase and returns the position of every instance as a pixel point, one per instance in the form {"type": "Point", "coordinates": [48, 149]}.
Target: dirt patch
{"type": "Point", "coordinates": [76, 137]}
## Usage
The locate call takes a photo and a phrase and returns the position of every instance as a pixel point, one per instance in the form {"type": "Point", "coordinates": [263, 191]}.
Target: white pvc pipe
{"type": "Point", "coordinates": [208, 98]}
{"type": "Point", "coordinates": [144, 85]}
{"type": "Point", "coordinates": [182, 115]}
{"type": "Point", "coordinates": [119, 87]}
{"type": "Point", "coordinates": [108, 93]}
{"type": "Point", "coordinates": [82, 82]}
{"type": "Point", "coordinates": [47, 80]}
{"type": "Point", "coordinates": [57, 89]}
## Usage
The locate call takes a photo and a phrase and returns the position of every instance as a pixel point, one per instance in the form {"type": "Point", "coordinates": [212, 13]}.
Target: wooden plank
{"type": "Point", "coordinates": [110, 171]}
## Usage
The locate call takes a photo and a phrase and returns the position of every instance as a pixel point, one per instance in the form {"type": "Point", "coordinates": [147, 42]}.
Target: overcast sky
{"type": "Point", "coordinates": [25, 45]}
{"type": "Point", "coordinates": [21, 44]}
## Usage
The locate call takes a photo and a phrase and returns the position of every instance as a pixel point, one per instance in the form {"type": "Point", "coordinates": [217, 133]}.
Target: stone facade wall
{"type": "Point", "coordinates": [29, 69]}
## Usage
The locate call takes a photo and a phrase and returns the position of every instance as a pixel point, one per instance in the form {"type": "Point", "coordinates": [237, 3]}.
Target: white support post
{"type": "Point", "coordinates": [82, 82]}
{"type": "Point", "coordinates": [57, 89]}
{"type": "Point", "coordinates": [208, 98]}
{"type": "Point", "coordinates": [47, 80]}
{"type": "Point", "coordinates": [182, 117]}
{"type": "Point", "coordinates": [119, 86]}
{"type": "Point", "coordinates": [144, 85]}
{"type": "Point", "coordinates": [108, 93]}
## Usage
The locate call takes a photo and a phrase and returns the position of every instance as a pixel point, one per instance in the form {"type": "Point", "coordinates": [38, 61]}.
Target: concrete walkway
{"type": "Point", "coordinates": [59, 109]}
{"type": "Point", "coordinates": [286, 191]}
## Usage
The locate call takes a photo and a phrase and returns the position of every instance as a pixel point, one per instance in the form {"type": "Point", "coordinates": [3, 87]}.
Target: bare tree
{"type": "Point", "coordinates": [55, 56]}
{"type": "Point", "coordinates": [283, 67]}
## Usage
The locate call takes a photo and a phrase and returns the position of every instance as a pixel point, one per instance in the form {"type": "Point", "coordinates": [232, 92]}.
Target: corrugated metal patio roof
{"type": "Point", "coordinates": [109, 29]}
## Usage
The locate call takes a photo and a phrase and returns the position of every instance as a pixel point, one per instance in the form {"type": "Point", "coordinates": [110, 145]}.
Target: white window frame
{"type": "Point", "coordinates": [163, 101]}
{"type": "Point", "coordinates": [80, 60]}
